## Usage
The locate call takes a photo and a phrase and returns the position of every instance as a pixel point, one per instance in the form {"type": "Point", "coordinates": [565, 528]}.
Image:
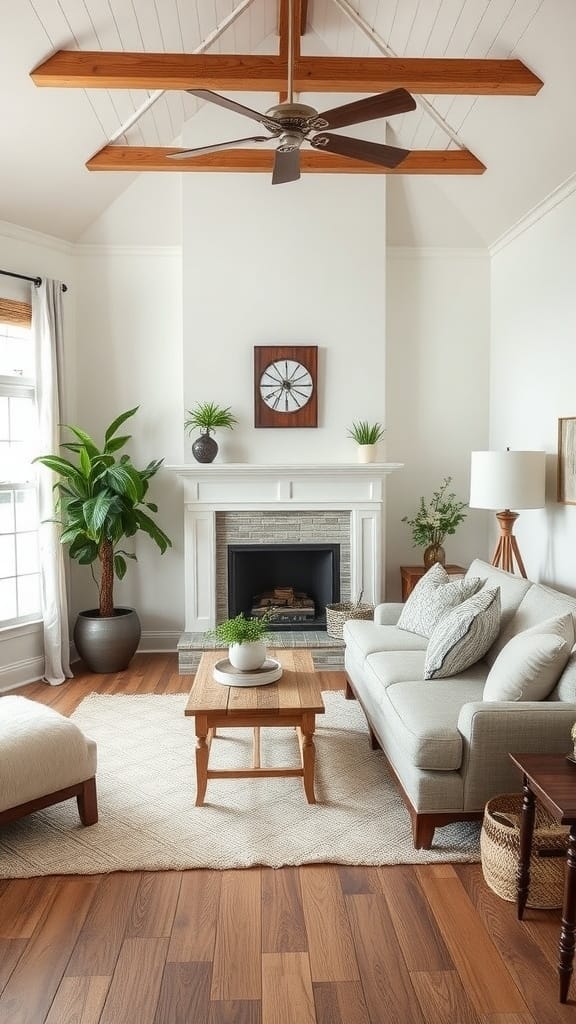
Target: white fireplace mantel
{"type": "Point", "coordinates": [357, 488]}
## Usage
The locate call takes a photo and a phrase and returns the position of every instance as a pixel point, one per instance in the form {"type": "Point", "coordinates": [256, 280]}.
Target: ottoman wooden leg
{"type": "Point", "coordinates": [88, 803]}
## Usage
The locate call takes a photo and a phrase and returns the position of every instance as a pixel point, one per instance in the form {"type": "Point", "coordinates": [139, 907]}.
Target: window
{"type": "Point", "coordinates": [19, 559]}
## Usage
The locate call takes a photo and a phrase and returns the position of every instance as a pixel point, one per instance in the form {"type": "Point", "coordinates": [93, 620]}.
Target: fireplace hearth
{"type": "Point", "coordinates": [292, 582]}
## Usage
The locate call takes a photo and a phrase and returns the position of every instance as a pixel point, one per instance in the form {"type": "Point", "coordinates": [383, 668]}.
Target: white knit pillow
{"type": "Point", "coordinates": [464, 635]}
{"type": "Point", "coordinates": [531, 663]}
{"type": "Point", "coordinates": [433, 596]}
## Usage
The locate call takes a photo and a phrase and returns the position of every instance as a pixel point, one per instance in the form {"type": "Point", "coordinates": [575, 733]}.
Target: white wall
{"type": "Point", "coordinates": [302, 263]}
{"type": "Point", "coordinates": [534, 371]}
{"type": "Point", "coordinates": [34, 254]}
{"type": "Point", "coordinates": [130, 353]}
{"type": "Point", "coordinates": [437, 340]}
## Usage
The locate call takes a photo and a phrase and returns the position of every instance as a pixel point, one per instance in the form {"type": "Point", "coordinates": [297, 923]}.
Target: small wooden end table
{"type": "Point", "coordinates": [410, 574]}
{"type": "Point", "coordinates": [552, 780]}
{"type": "Point", "coordinates": [293, 701]}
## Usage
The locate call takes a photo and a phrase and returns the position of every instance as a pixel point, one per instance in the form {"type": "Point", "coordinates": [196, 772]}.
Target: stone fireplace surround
{"type": "Point", "coordinates": [352, 496]}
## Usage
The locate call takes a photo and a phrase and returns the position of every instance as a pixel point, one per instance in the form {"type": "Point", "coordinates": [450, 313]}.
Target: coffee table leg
{"type": "Point", "coordinates": [308, 755]}
{"type": "Point", "coordinates": [568, 931]}
{"type": "Point", "coordinates": [256, 747]}
{"type": "Point", "coordinates": [526, 833]}
{"type": "Point", "coordinates": [202, 754]}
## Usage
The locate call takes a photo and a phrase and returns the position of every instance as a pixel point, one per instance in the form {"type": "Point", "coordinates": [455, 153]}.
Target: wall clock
{"type": "Point", "coordinates": [285, 386]}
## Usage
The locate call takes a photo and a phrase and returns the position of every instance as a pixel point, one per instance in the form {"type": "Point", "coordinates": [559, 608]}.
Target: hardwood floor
{"type": "Point", "coordinates": [320, 944]}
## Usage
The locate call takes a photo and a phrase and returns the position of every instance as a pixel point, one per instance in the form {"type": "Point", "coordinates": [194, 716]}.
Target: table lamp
{"type": "Point", "coordinates": [507, 480]}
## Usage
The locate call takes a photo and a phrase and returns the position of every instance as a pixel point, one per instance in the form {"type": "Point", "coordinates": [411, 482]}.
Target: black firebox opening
{"type": "Point", "coordinates": [305, 578]}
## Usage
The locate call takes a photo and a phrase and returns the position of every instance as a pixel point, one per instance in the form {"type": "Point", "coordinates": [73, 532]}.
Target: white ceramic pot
{"type": "Point", "coordinates": [247, 657]}
{"type": "Point", "coordinates": [366, 452]}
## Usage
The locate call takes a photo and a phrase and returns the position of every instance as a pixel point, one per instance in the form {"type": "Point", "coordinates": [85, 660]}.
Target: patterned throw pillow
{"type": "Point", "coordinates": [433, 596]}
{"type": "Point", "coordinates": [464, 635]}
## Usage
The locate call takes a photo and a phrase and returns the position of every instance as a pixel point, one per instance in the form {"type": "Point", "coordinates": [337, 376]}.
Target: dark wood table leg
{"type": "Point", "coordinates": [568, 931]}
{"type": "Point", "coordinates": [526, 833]}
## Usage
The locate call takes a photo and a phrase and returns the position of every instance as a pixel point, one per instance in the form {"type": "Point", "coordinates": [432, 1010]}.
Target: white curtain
{"type": "Point", "coordinates": [47, 328]}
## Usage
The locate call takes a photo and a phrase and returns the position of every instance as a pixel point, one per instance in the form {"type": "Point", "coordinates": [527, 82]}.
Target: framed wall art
{"type": "Point", "coordinates": [567, 460]}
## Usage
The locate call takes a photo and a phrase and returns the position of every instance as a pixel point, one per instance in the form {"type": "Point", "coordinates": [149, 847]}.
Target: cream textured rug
{"type": "Point", "coordinates": [146, 791]}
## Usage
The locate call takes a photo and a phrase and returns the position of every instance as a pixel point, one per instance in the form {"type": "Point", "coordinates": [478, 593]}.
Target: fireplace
{"type": "Point", "coordinates": [294, 582]}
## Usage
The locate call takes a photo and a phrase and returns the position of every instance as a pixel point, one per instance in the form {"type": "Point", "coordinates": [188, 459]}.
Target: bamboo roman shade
{"type": "Point", "coordinates": [19, 314]}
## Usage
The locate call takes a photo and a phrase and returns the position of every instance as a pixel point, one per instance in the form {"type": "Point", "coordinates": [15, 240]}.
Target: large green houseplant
{"type": "Point", "coordinates": [101, 501]}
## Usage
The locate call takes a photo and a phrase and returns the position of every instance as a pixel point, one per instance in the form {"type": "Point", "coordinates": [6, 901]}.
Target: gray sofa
{"type": "Point", "coordinates": [446, 746]}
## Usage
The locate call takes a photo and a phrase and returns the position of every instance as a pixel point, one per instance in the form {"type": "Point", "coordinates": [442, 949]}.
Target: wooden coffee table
{"type": "Point", "coordinates": [293, 701]}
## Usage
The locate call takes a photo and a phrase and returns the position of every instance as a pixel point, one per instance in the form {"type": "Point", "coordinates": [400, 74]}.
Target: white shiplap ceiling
{"type": "Point", "coordinates": [527, 143]}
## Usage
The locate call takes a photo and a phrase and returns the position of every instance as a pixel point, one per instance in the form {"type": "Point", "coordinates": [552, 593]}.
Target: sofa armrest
{"type": "Point", "coordinates": [492, 730]}
{"type": "Point", "coordinates": [387, 614]}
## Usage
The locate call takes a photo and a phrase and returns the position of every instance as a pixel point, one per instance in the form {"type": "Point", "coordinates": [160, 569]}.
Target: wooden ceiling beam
{"type": "Point", "coordinates": [267, 73]}
{"type": "Point", "coordinates": [150, 158]}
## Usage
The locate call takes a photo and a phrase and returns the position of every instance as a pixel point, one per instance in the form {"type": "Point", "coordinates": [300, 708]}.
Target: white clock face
{"type": "Point", "coordinates": [286, 386]}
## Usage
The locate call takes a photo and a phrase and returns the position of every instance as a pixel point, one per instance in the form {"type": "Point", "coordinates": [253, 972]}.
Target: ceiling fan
{"type": "Point", "coordinates": [294, 123]}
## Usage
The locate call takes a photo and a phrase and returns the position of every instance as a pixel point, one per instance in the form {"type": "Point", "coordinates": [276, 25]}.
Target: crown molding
{"type": "Point", "coordinates": [555, 198]}
{"type": "Point", "coordinates": [444, 252]}
{"type": "Point", "coordinates": [20, 234]}
{"type": "Point", "coordinates": [105, 249]}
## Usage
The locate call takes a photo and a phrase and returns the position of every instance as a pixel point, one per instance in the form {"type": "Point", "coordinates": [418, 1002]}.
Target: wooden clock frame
{"type": "Point", "coordinates": [264, 416]}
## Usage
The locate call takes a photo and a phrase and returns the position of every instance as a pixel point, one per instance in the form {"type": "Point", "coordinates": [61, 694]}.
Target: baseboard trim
{"type": "Point", "coordinates": [20, 673]}
{"type": "Point", "coordinates": [161, 641]}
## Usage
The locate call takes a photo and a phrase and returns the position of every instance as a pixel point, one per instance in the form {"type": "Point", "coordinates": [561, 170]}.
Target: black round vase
{"type": "Point", "coordinates": [204, 448]}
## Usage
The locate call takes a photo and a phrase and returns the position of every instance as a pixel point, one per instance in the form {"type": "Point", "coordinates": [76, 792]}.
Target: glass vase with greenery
{"type": "Point", "coordinates": [437, 517]}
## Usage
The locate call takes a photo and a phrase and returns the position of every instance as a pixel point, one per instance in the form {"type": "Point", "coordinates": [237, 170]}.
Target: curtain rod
{"type": "Point", "coordinates": [24, 277]}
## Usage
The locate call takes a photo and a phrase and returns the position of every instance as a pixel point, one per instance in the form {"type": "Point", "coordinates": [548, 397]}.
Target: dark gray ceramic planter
{"type": "Point", "coordinates": [205, 448]}
{"type": "Point", "coordinates": [107, 644]}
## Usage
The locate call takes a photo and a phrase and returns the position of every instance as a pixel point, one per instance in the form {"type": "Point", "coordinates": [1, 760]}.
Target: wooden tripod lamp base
{"type": "Point", "coordinates": [507, 547]}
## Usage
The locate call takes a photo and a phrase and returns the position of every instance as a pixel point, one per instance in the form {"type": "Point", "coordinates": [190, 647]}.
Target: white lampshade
{"type": "Point", "coordinates": [508, 480]}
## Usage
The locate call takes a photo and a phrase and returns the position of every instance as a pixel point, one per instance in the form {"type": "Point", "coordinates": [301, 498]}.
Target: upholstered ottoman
{"type": "Point", "coordinates": [44, 758]}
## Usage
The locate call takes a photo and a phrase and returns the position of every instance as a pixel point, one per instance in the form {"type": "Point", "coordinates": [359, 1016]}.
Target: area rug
{"type": "Point", "coordinates": [146, 791]}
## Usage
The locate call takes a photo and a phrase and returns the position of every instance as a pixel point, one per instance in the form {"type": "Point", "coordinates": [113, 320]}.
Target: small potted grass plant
{"type": "Point", "coordinates": [366, 436]}
{"type": "Point", "coordinates": [206, 417]}
{"type": "Point", "coordinates": [246, 639]}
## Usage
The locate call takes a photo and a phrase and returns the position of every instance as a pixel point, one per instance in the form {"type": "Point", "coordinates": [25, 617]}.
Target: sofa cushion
{"type": "Point", "coordinates": [530, 664]}
{"type": "Point", "coordinates": [427, 717]}
{"type": "Point", "coordinates": [513, 589]}
{"type": "Point", "coordinates": [464, 635]}
{"type": "Point", "coordinates": [565, 689]}
{"type": "Point", "coordinates": [539, 603]}
{"type": "Point", "coordinates": [364, 638]}
{"type": "Point", "coordinates": [433, 596]}
{"type": "Point", "coordinates": [386, 668]}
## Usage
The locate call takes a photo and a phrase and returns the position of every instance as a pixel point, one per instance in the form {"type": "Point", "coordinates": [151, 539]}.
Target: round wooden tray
{"type": "Point", "coordinates": [228, 675]}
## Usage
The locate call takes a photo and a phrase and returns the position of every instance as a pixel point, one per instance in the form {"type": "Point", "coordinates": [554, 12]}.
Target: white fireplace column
{"type": "Point", "coordinates": [229, 487]}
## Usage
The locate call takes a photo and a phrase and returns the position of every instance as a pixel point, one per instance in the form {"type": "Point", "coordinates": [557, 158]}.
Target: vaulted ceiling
{"type": "Point", "coordinates": [48, 134]}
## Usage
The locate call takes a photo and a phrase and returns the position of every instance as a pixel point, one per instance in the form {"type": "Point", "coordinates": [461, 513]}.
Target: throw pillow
{"type": "Point", "coordinates": [464, 635]}
{"type": "Point", "coordinates": [433, 596]}
{"type": "Point", "coordinates": [531, 663]}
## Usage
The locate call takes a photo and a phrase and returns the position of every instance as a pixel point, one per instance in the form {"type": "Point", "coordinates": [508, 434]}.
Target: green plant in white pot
{"type": "Point", "coordinates": [246, 639]}
{"type": "Point", "coordinates": [207, 417]}
{"type": "Point", "coordinates": [101, 501]}
{"type": "Point", "coordinates": [366, 436]}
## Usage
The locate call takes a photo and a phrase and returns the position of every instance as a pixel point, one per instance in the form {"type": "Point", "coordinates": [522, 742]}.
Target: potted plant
{"type": "Point", "coordinates": [207, 416]}
{"type": "Point", "coordinates": [246, 640]}
{"type": "Point", "coordinates": [434, 519]}
{"type": "Point", "coordinates": [366, 436]}
{"type": "Point", "coordinates": [101, 500]}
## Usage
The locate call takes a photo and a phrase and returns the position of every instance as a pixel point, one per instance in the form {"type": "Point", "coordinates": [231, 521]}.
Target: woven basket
{"type": "Point", "coordinates": [338, 614]}
{"type": "Point", "coordinates": [500, 848]}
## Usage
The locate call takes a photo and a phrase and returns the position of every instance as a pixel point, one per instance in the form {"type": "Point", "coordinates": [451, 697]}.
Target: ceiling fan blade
{"type": "Point", "coordinates": [397, 101]}
{"type": "Point", "coordinates": [223, 101]}
{"type": "Point", "coordinates": [217, 145]}
{"type": "Point", "coordinates": [286, 166]}
{"type": "Point", "coordinates": [371, 152]}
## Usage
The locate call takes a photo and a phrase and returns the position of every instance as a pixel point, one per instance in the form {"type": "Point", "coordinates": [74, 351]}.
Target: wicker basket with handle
{"type": "Point", "coordinates": [338, 614]}
{"type": "Point", "coordinates": [500, 848]}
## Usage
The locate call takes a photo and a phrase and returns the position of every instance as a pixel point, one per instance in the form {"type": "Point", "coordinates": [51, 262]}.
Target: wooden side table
{"type": "Point", "coordinates": [552, 780]}
{"type": "Point", "coordinates": [410, 574]}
